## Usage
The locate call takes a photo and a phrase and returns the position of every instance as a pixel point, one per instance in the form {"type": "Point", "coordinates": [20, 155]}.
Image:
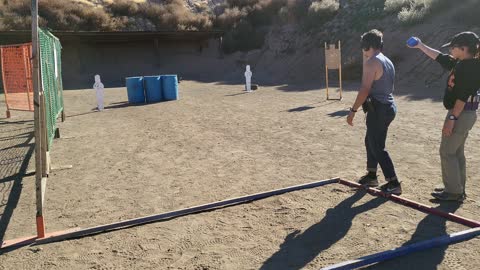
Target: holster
{"type": "Point", "coordinates": [368, 106]}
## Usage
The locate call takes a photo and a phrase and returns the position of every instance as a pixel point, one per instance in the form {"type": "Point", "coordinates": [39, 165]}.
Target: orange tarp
{"type": "Point", "coordinates": [17, 76]}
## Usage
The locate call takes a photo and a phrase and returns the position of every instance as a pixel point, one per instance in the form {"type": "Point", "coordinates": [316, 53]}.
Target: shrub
{"type": "Point", "coordinates": [230, 17]}
{"type": "Point", "coordinates": [118, 15]}
{"type": "Point", "coordinates": [415, 11]}
{"type": "Point", "coordinates": [394, 6]}
{"type": "Point", "coordinates": [15, 15]}
{"type": "Point", "coordinates": [324, 7]}
{"type": "Point", "coordinates": [244, 21]}
{"type": "Point", "coordinates": [321, 11]}
{"type": "Point", "coordinates": [19, 7]}
{"type": "Point", "coordinates": [62, 15]}
{"type": "Point", "coordinates": [265, 12]}
{"type": "Point", "coordinates": [123, 8]}
{"type": "Point", "coordinates": [171, 15]}
{"type": "Point", "coordinates": [410, 16]}
{"type": "Point", "coordinates": [257, 12]}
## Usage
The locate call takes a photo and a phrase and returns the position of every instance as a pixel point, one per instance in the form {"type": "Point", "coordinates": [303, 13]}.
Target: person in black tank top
{"type": "Point", "coordinates": [375, 95]}
{"type": "Point", "coordinates": [461, 102]}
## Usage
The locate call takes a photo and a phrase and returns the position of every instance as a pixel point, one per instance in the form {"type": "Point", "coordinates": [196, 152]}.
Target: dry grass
{"type": "Point", "coordinates": [118, 15]}
{"type": "Point", "coordinates": [322, 11]}
{"type": "Point", "coordinates": [412, 12]}
{"type": "Point", "coordinates": [245, 21]}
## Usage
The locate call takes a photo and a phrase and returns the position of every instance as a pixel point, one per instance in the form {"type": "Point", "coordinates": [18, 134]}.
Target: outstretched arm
{"type": "Point", "coordinates": [430, 52]}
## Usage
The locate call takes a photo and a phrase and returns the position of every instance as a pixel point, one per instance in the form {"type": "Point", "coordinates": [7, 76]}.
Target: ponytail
{"type": "Point", "coordinates": [474, 49]}
{"type": "Point", "coordinates": [477, 55]}
{"type": "Point", "coordinates": [477, 49]}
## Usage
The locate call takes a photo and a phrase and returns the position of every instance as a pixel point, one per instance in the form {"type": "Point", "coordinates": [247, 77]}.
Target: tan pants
{"type": "Point", "coordinates": [454, 172]}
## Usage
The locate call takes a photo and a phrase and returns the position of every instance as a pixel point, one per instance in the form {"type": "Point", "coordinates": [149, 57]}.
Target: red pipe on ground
{"type": "Point", "coordinates": [416, 205]}
{"type": "Point", "coordinates": [75, 233]}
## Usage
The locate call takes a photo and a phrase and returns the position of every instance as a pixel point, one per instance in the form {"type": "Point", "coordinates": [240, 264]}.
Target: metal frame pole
{"type": "Point", "coordinates": [405, 250]}
{"type": "Point", "coordinates": [182, 212]}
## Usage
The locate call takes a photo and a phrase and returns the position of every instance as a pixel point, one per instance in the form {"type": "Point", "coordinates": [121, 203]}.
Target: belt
{"type": "Point", "coordinates": [470, 106]}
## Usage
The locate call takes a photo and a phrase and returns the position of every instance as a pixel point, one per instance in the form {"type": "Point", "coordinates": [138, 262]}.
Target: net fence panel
{"type": "Point", "coordinates": [50, 65]}
{"type": "Point", "coordinates": [17, 76]}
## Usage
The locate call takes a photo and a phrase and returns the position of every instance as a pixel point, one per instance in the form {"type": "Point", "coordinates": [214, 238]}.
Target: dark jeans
{"type": "Point", "coordinates": [377, 128]}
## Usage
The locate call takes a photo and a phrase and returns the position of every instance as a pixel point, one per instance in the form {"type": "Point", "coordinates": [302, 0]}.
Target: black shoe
{"type": "Point", "coordinates": [392, 187]}
{"type": "Point", "coordinates": [445, 196]}
{"type": "Point", "coordinates": [368, 181]}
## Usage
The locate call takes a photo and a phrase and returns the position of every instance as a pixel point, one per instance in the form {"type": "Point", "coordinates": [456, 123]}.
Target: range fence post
{"type": "Point", "coordinates": [39, 172]}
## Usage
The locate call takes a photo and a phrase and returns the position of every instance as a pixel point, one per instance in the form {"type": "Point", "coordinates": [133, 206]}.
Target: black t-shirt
{"type": "Point", "coordinates": [463, 81]}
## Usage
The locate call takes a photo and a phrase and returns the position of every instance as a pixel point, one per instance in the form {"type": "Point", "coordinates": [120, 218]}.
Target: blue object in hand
{"type": "Point", "coordinates": [413, 41]}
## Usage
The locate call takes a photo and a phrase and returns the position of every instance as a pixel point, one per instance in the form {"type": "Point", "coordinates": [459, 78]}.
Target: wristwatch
{"type": "Point", "coordinates": [352, 110]}
{"type": "Point", "coordinates": [452, 117]}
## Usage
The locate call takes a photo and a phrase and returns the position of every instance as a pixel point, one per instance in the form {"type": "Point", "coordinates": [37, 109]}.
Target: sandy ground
{"type": "Point", "coordinates": [215, 143]}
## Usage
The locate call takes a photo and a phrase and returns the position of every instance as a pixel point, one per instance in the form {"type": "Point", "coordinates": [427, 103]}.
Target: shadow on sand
{"type": "Point", "coordinates": [15, 154]}
{"type": "Point", "coordinates": [299, 249]}
{"type": "Point", "coordinates": [430, 227]}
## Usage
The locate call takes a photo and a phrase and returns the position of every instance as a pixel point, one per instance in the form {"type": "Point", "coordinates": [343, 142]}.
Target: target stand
{"type": "Point", "coordinates": [333, 61]}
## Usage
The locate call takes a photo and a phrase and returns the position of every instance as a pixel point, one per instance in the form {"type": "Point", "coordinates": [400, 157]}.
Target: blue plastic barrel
{"type": "Point", "coordinates": [153, 88]}
{"type": "Point", "coordinates": [170, 87]}
{"type": "Point", "coordinates": [135, 90]}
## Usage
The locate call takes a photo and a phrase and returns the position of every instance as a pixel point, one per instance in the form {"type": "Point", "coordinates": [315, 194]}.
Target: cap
{"type": "Point", "coordinates": [463, 39]}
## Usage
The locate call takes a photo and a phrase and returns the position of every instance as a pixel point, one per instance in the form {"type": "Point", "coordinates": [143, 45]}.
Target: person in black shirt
{"type": "Point", "coordinates": [461, 99]}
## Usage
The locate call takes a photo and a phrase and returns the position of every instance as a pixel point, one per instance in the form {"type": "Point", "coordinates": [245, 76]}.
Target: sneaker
{"type": "Point", "coordinates": [445, 196]}
{"type": "Point", "coordinates": [392, 187]}
{"type": "Point", "coordinates": [368, 181]}
{"type": "Point", "coordinates": [442, 189]}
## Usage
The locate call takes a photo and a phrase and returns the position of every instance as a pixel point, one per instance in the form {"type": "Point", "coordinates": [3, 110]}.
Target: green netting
{"type": "Point", "coordinates": [51, 74]}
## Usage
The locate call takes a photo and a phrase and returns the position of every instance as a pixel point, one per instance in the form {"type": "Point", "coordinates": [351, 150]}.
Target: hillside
{"type": "Point", "coordinates": [282, 39]}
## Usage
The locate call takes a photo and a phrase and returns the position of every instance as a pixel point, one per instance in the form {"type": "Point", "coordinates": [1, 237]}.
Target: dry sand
{"type": "Point", "coordinates": [215, 143]}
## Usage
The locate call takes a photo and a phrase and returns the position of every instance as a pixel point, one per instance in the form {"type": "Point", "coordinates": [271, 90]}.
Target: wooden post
{"type": "Point", "coordinates": [340, 67]}
{"type": "Point", "coordinates": [44, 145]}
{"type": "Point", "coordinates": [39, 180]}
{"type": "Point", "coordinates": [28, 72]}
{"type": "Point", "coordinates": [326, 67]}
{"type": "Point", "coordinates": [3, 80]}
